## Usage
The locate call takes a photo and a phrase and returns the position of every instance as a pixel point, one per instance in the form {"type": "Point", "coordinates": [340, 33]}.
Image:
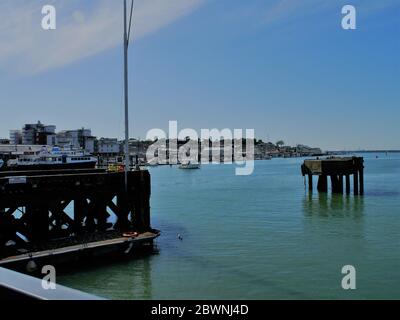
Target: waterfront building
{"type": "Point", "coordinates": [108, 147]}
{"type": "Point", "coordinates": [51, 139]}
{"type": "Point", "coordinates": [41, 134]}
{"type": "Point", "coordinates": [91, 144]}
{"type": "Point", "coordinates": [15, 137]}
{"type": "Point", "coordinates": [36, 134]}
{"type": "Point", "coordinates": [79, 139]}
{"type": "Point", "coordinates": [304, 150]}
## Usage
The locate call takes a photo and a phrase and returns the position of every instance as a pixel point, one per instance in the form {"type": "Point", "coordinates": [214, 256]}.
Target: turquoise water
{"type": "Point", "coordinates": [261, 237]}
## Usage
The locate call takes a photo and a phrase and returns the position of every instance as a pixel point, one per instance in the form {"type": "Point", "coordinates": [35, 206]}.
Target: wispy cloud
{"type": "Point", "coordinates": [84, 28]}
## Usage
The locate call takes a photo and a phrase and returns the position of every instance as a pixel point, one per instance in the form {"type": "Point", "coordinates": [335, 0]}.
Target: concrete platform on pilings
{"type": "Point", "coordinates": [339, 169]}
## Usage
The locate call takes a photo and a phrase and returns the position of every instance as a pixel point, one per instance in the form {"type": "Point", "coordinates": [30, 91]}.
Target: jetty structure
{"type": "Point", "coordinates": [55, 216]}
{"type": "Point", "coordinates": [338, 169]}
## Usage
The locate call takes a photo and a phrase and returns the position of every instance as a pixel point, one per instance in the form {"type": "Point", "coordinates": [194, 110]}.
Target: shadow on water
{"type": "Point", "coordinates": [116, 276]}
{"type": "Point", "coordinates": [382, 193]}
{"type": "Point", "coordinates": [172, 246]}
{"type": "Point", "coordinates": [335, 205]}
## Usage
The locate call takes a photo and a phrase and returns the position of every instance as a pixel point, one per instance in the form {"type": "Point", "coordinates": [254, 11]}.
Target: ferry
{"type": "Point", "coordinates": [51, 160]}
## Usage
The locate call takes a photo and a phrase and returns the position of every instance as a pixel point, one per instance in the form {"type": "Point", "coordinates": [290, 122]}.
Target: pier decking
{"type": "Point", "coordinates": [337, 169]}
{"type": "Point", "coordinates": [34, 222]}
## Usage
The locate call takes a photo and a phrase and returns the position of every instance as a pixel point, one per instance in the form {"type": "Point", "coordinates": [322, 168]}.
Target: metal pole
{"type": "Point", "coordinates": [126, 99]}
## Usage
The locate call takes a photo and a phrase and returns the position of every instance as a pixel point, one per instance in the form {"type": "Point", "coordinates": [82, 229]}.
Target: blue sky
{"type": "Point", "coordinates": [284, 68]}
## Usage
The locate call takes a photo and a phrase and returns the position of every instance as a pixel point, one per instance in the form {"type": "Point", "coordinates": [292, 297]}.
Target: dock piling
{"type": "Point", "coordinates": [347, 184]}
{"type": "Point", "coordinates": [361, 173]}
{"type": "Point", "coordinates": [323, 183]}
{"type": "Point", "coordinates": [355, 183]}
{"type": "Point", "coordinates": [336, 168]}
{"type": "Point", "coordinates": [310, 182]}
{"type": "Point", "coordinates": [341, 183]}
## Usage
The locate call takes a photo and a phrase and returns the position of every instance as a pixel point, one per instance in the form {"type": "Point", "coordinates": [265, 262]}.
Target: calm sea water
{"type": "Point", "coordinates": [261, 237]}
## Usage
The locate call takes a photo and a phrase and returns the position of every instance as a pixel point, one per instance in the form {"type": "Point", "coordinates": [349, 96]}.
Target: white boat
{"type": "Point", "coordinates": [189, 165]}
{"type": "Point", "coordinates": [152, 163]}
{"type": "Point", "coordinates": [55, 159]}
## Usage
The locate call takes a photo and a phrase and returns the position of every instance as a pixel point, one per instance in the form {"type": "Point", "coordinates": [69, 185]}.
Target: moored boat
{"type": "Point", "coordinates": [189, 165]}
{"type": "Point", "coordinates": [56, 159]}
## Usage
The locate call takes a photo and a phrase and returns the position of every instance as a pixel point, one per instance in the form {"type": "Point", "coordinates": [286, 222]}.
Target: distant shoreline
{"type": "Point", "coordinates": [365, 151]}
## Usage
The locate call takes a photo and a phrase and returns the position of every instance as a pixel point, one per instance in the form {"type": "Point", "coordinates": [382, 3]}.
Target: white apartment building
{"type": "Point", "coordinates": [107, 146]}
{"type": "Point", "coordinates": [15, 137]}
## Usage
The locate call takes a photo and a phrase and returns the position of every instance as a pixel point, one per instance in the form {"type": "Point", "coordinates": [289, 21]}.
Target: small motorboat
{"type": "Point", "coordinates": [189, 165]}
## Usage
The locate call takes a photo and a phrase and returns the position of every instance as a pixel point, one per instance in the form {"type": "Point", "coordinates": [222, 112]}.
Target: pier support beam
{"type": "Point", "coordinates": [37, 218]}
{"type": "Point", "coordinates": [361, 173]}
{"type": "Point", "coordinates": [323, 183]}
{"type": "Point", "coordinates": [347, 184]}
{"type": "Point", "coordinates": [355, 183]}
{"type": "Point", "coordinates": [337, 183]}
{"type": "Point", "coordinates": [340, 184]}
{"type": "Point", "coordinates": [79, 214]}
{"type": "Point", "coordinates": [310, 182]}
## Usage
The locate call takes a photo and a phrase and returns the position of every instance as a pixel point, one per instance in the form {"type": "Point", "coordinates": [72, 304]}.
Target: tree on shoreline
{"type": "Point", "coordinates": [280, 143]}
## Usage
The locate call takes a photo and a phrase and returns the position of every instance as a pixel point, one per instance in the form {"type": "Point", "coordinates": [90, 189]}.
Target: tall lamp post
{"type": "Point", "coordinates": [127, 31]}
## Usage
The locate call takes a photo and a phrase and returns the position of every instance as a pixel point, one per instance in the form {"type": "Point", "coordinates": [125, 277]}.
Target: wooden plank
{"type": "Point", "coordinates": [147, 236]}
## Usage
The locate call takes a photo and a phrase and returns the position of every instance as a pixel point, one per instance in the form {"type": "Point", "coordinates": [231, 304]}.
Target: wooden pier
{"type": "Point", "coordinates": [339, 170]}
{"type": "Point", "coordinates": [34, 222]}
